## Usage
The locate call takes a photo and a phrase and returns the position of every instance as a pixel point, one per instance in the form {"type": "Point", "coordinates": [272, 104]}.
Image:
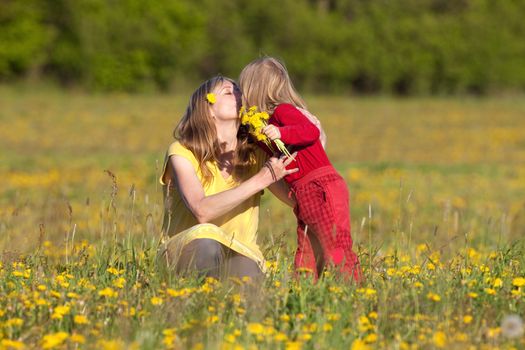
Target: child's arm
{"type": "Point", "coordinates": [281, 190]}
{"type": "Point", "coordinates": [317, 123]}
{"type": "Point", "coordinates": [296, 128]}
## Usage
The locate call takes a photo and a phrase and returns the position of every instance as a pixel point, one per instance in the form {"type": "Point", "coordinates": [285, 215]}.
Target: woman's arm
{"type": "Point", "coordinates": [206, 208]}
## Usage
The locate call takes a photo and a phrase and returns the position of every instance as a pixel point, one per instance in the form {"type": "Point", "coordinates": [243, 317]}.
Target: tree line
{"type": "Point", "coordinates": [360, 46]}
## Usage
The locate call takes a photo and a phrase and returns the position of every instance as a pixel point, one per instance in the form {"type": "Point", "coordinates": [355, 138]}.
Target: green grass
{"type": "Point", "coordinates": [443, 179]}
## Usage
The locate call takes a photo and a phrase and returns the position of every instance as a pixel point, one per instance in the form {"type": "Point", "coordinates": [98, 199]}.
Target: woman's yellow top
{"type": "Point", "coordinates": [236, 229]}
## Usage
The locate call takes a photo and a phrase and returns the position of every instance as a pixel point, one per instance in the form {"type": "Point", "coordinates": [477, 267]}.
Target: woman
{"type": "Point", "coordinates": [213, 178]}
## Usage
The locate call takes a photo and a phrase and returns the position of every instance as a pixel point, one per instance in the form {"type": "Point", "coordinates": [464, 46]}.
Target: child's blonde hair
{"type": "Point", "coordinates": [265, 83]}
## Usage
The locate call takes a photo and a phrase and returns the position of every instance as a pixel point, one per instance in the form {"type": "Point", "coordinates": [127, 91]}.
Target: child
{"type": "Point", "coordinates": [322, 210]}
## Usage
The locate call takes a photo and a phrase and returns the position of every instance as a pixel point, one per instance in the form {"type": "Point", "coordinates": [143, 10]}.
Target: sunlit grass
{"type": "Point", "coordinates": [438, 215]}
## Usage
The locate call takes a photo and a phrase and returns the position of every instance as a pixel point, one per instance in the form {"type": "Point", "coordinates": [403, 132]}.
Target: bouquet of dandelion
{"type": "Point", "coordinates": [256, 121]}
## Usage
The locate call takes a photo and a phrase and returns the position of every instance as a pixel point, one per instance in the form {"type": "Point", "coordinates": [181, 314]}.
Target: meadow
{"type": "Point", "coordinates": [438, 218]}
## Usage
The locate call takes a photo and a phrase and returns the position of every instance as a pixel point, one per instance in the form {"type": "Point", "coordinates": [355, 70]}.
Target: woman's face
{"type": "Point", "coordinates": [228, 101]}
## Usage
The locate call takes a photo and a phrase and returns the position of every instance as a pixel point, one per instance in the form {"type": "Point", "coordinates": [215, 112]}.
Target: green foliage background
{"type": "Point", "coordinates": [363, 46]}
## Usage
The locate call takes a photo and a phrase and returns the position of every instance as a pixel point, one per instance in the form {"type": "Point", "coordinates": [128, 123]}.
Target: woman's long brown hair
{"type": "Point", "coordinates": [197, 132]}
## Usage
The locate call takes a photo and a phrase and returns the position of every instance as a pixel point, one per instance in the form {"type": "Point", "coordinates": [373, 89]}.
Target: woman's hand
{"type": "Point", "coordinates": [275, 168]}
{"type": "Point", "coordinates": [272, 132]}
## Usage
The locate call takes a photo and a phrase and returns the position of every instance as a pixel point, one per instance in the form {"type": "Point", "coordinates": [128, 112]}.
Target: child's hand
{"type": "Point", "coordinates": [272, 132]}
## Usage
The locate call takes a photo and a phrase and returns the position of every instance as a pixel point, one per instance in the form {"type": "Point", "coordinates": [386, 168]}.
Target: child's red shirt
{"type": "Point", "coordinates": [299, 134]}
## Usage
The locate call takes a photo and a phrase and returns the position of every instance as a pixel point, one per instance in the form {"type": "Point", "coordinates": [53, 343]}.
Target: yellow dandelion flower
{"type": "Point", "coordinates": [493, 333]}
{"type": "Point", "coordinates": [229, 338]}
{"type": "Point", "coordinates": [284, 318]}
{"type": "Point", "coordinates": [236, 298]}
{"type": "Point", "coordinates": [119, 282]}
{"type": "Point", "coordinates": [52, 340]}
{"type": "Point", "coordinates": [108, 292]}
{"type": "Point", "coordinates": [212, 320]}
{"type": "Point", "coordinates": [433, 297]}
{"type": "Point", "coordinates": [156, 301]}
{"type": "Point", "coordinates": [41, 302]}
{"type": "Point", "coordinates": [72, 295]}
{"type": "Point", "coordinates": [461, 337]}
{"type": "Point", "coordinates": [472, 295]}
{"type": "Point", "coordinates": [371, 338]}
{"type": "Point", "coordinates": [130, 312]}
{"type": "Point", "coordinates": [333, 316]}
{"type": "Point", "coordinates": [370, 291]}
{"type": "Point", "coordinates": [467, 319]}
{"type": "Point", "coordinates": [211, 98]}
{"type": "Point", "coordinates": [206, 288]}
{"type": "Point", "coordinates": [310, 328]}
{"type": "Point", "coordinates": [77, 338]}
{"type": "Point", "coordinates": [359, 344]}
{"type": "Point", "coordinates": [518, 282]}
{"type": "Point", "coordinates": [280, 336]}
{"type": "Point", "coordinates": [261, 137]}
{"type": "Point", "coordinates": [516, 292]}
{"type": "Point", "coordinates": [305, 336]}
{"type": "Point", "coordinates": [440, 339]}
{"type": "Point", "coordinates": [62, 310]}
{"type": "Point", "coordinates": [169, 340]}
{"type": "Point", "coordinates": [256, 122]}
{"type": "Point", "coordinates": [80, 319]}
{"type": "Point", "coordinates": [111, 344]}
{"type": "Point", "coordinates": [14, 322]}
{"type": "Point", "coordinates": [490, 291]}
{"type": "Point", "coordinates": [305, 269]}
{"type": "Point", "coordinates": [422, 248]}
{"type": "Point", "coordinates": [11, 344]}
{"type": "Point", "coordinates": [61, 280]}
{"type": "Point", "coordinates": [114, 271]}
{"type": "Point", "coordinates": [293, 345]}
{"type": "Point", "coordinates": [364, 324]}
{"type": "Point", "coordinates": [255, 328]}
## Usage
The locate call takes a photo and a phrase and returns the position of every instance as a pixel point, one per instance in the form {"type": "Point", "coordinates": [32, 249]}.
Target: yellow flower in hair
{"type": "Point", "coordinates": [211, 98]}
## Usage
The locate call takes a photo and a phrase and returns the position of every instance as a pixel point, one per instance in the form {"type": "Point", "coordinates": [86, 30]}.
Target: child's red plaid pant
{"type": "Point", "coordinates": [323, 207]}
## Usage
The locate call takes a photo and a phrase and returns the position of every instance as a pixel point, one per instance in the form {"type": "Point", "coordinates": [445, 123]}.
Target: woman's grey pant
{"type": "Point", "coordinates": [210, 258]}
